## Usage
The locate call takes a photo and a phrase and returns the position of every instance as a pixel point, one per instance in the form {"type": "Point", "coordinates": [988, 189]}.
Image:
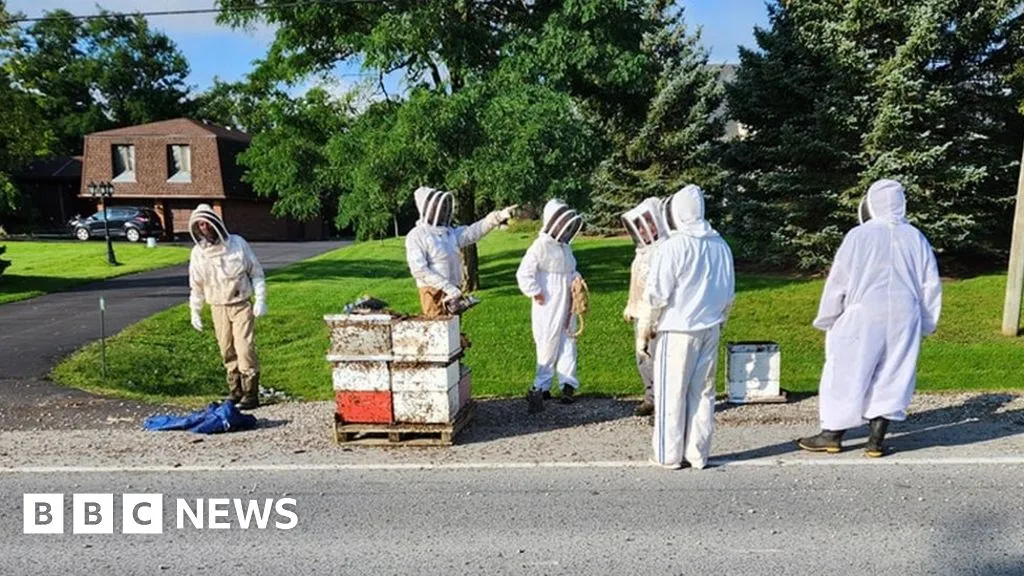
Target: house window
{"type": "Point", "coordinates": [124, 162]}
{"type": "Point", "coordinates": [179, 163]}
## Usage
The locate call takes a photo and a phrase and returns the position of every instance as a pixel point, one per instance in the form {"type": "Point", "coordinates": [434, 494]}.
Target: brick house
{"type": "Point", "coordinates": [172, 166]}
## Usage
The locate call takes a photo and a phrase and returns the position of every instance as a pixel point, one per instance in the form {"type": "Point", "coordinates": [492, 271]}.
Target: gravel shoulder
{"type": "Point", "coordinates": [989, 425]}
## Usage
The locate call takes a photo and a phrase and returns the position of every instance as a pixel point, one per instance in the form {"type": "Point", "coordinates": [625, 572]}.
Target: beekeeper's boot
{"type": "Point", "coordinates": [534, 401]}
{"type": "Point", "coordinates": [234, 387]}
{"type": "Point", "coordinates": [825, 441]}
{"type": "Point", "coordinates": [250, 392]}
{"type": "Point", "coordinates": [874, 447]}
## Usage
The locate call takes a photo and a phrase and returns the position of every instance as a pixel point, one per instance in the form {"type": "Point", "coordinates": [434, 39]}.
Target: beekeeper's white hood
{"type": "Point", "coordinates": [645, 223]}
{"type": "Point", "coordinates": [435, 206]}
{"type": "Point", "coordinates": [561, 223]}
{"type": "Point", "coordinates": [684, 213]}
{"type": "Point", "coordinates": [204, 213]}
{"type": "Point", "coordinates": [885, 201]}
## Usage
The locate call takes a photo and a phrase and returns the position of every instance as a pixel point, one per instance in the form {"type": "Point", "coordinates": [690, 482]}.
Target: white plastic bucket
{"type": "Point", "coordinates": [151, 242]}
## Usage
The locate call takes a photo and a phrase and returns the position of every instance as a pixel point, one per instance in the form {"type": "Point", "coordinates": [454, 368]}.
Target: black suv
{"type": "Point", "coordinates": [131, 223]}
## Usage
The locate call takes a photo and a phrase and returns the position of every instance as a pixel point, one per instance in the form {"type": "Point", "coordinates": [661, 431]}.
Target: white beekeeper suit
{"type": "Point", "coordinates": [224, 273]}
{"type": "Point", "coordinates": [432, 247]}
{"type": "Point", "coordinates": [690, 289]}
{"type": "Point", "coordinates": [646, 226]}
{"type": "Point", "coordinates": [546, 275]}
{"type": "Point", "coordinates": [882, 296]}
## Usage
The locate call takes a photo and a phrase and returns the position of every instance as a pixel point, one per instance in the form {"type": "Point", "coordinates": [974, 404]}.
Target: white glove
{"type": "Point", "coordinates": [259, 286]}
{"type": "Point", "coordinates": [507, 214]}
{"type": "Point", "coordinates": [197, 320]}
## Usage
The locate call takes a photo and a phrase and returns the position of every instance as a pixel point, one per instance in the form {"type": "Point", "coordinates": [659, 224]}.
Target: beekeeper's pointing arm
{"type": "Point", "coordinates": [467, 235]}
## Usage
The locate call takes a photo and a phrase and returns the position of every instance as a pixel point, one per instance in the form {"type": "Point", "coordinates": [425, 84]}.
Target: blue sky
{"type": "Point", "coordinates": [215, 51]}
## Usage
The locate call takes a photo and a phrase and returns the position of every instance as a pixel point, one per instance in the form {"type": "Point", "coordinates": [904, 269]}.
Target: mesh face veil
{"type": "Point", "coordinates": [644, 223]}
{"type": "Point", "coordinates": [215, 230]}
{"type": "Point", "coordinates": [439, 208]}
{"type": "Point", "coordinates": [563, 225]}
{"type": "Point", "coordinates": [864, 211]}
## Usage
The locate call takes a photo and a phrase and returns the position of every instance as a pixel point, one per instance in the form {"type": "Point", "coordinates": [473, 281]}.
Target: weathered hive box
{"type": "Point", "coordinates": [425, 393]}
{"type": "Point", "coordinates": [359, 337]}
{"type": "Point", "coordinates": [753, 371]}
{"type": "Point", "coordinates": [418, 340]}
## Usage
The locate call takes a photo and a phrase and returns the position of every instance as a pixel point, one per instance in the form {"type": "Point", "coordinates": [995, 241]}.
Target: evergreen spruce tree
{"type": "Point", "coordinates": [675, 143]}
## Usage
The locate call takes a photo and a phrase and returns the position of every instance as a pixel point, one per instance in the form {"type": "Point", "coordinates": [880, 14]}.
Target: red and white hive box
{"type": "Point", "coordinates": [365, 407]}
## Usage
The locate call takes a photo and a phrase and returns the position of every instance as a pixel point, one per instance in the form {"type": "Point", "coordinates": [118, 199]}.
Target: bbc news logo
{"type": "Point", "coordinates": [144, 514]}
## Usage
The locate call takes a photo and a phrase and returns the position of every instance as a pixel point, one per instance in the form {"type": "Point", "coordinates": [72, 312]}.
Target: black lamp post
{"type": "Point", "coordinates": [104, 190]}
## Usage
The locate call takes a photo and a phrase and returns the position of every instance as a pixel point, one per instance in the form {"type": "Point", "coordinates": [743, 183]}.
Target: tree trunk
{"type": "Point", "coordinates": [470, 263]}
{"type": "Point", "coordinates": [394, 219]}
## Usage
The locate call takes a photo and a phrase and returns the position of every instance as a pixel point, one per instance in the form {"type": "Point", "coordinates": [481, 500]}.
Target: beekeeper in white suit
{"type": "Point", "coordinates": [689, 291]}
{"type": "Point", "coordinates": [882, 296]}
{"type": "Point", "coordinates": [224, 273]}
{"type": "Point", "coordinates": [546, 275]}
{"type": "Point", "coordinates": [432, 247]}
{"type": "Point", "coordinates": [646, 225]}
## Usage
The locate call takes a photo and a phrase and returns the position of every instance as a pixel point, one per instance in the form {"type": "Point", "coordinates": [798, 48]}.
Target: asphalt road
{"type": "Point", "coordinates": [36, 334]}
{"type": "Point", "coordinates": [814, 520]}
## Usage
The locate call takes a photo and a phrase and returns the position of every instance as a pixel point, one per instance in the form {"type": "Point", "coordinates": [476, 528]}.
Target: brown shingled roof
{"type": "Point", "coordinates": [177, 127]}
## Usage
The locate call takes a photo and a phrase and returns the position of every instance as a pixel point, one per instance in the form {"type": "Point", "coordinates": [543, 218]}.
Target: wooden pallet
{"type": "Point", "coordinates": [402, 434]}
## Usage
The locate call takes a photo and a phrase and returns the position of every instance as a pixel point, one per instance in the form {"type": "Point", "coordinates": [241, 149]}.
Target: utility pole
{"type": "Point", "coordinates": [1015, 271]}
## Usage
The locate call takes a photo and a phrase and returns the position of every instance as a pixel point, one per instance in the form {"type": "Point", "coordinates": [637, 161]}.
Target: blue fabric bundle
{"type": "Point", "coordinates": [216, 418]}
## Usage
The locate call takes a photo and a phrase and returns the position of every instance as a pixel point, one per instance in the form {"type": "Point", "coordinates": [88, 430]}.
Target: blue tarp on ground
{"type": "Point", "coordinates": [216, 418]}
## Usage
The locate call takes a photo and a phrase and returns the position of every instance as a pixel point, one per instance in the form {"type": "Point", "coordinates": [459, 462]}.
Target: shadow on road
{"type": "Point", "coordinates": [973, 422]}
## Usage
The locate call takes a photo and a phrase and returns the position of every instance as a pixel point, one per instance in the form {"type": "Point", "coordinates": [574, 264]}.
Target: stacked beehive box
{"type": "Point", "coordinates": [389, 370]}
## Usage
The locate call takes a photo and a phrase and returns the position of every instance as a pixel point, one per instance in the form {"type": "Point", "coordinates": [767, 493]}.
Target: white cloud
{"type": "Point", "coordinates": [174, 25]}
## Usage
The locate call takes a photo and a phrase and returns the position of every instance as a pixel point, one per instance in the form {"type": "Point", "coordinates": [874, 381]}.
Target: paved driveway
{"type": "Point", "coordinates": [36, 334]}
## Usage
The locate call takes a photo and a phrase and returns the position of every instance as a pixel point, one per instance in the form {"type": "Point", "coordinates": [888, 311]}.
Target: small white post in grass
{"type": "Point", "coordinates": [103, 336]}
{"type": "Point", "coordinates": [1015, 271]}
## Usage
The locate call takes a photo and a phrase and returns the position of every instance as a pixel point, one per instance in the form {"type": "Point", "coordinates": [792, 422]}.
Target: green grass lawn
{"type": "Point", "coordinates": [39, 268]}
{"type": "Point", "coordinates": [163, 358]}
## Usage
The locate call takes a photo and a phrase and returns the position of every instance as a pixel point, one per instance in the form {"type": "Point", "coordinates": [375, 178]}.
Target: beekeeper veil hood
{"type": "Point", "coordinates": [645, 222]}
{"type": "Point", "coordinates": [561, 222]}
{"type": "Point", "coordinates": [684, 213]}
{"type": "Point", "coordinates": [436, 207]}
{"type": "Point", "coordinates": [885, 201]}
{"type": "Point", "coordinates": [212, 231]}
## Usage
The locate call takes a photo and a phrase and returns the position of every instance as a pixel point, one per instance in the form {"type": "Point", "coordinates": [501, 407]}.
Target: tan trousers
{"type": "Point", "coordinates": [432, 302]}
{"type": "Point", "coordinates": [233, 326]}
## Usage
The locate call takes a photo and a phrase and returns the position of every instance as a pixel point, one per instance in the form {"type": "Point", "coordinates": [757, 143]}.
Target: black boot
{"type": "Point", "coordinates": [874, 447]}
{"type": "Point", "coordinates": [825, 441]}
{"type": "Point", "coordinates": [568, 394]}
{"type": "Point", "coordinates": [535, 401]}
{"type": "Point", "coordinates": [234, 388]}
{"type": "Point", "coordinates": [250, 392]}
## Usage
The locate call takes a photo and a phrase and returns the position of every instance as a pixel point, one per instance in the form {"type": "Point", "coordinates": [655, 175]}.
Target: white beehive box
{"type": "Point", "coordinates": [361, 377]}
{"type": "Point", "coordinates": [417, 377]}
{"type": "Point", "coordinates": [418, 340]}
{"type": "Point", "coordinates": [359, 337]}
{"type": "Point", "coordinates": [752, 371]}
{"type": "Point", "coordinates": [426, 407]}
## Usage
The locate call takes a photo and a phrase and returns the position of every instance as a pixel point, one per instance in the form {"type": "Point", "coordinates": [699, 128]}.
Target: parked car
{"type": "Point", "coordinates": [131, 223]}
